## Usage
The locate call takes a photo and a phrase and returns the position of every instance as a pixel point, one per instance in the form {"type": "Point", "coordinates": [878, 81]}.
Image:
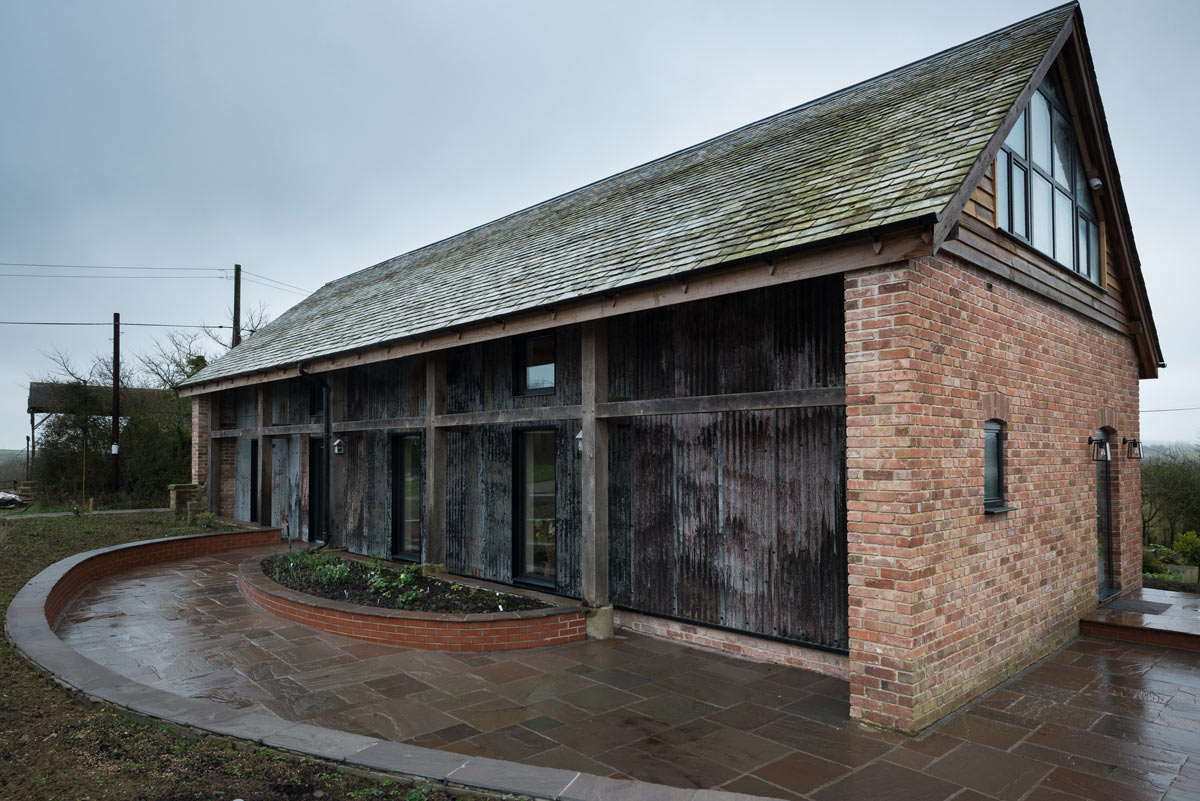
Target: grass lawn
{"type": "Point", "coordinates": [55, 746]}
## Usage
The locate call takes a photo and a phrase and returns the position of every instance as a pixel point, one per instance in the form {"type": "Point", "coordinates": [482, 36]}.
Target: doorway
{"type": "Point", "coordinates": [318, 490]}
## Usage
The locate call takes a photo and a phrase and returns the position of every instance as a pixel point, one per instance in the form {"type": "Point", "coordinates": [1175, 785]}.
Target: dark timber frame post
{"type": "Point", "coordinates": [264, 456]}
{"type": "Point", "coordinates": [435, 463]}
{"type": "Point", "coordinates": [594, 480]}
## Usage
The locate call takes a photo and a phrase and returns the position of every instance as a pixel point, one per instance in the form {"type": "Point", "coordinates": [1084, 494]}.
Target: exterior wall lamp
{"type": "Point", "coordinates": [579, 442]}
{"type": "Point", "coordinates": [339, 447]}
{"type": "Point", "coordinates": [1133, 448]}
{"type": "Point", "coordinates": [1100, 449]}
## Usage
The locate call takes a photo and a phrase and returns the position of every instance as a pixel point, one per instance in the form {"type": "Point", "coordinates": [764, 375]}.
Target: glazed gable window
{"type": "Point", "coordinates": [1042, 193]}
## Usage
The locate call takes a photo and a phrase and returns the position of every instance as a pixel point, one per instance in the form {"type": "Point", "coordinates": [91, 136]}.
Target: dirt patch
{"type": "Point", "coordinates": [326, 575]}
{"type": "Point", "coordinates": [55, 746]}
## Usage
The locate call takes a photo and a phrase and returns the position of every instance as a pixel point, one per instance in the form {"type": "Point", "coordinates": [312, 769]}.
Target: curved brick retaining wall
{"type": "Point", "coordinates": [494, 631]}
{"type": "Point", "coordinates": [119, 558]}
{"type": "Point", "coordinates": [28, 624]}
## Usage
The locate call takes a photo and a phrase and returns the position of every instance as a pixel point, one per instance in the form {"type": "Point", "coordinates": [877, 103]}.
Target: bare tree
{"type": "Point", "coordinates": [176, 358]}
{"type": "Point", "coordinates": [253, 319]}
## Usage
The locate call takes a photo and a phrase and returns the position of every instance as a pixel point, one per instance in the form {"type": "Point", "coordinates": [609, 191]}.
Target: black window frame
{"type": "Point", "coordinates": [1007, 158]}
{"type": "Point", "coordinates": [995, 504]}
{"type": "Point", "coordinates": [518, 502]}
{"type": "Point", "coordinates": [399, 498]}
{"type": "Point", "coordinates": [520, 364]}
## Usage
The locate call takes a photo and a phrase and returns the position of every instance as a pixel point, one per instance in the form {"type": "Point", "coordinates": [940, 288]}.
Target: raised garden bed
{"type": "Point", "coordinates": [552, 621]}
{"type": "Point", "coordinates": [327, 575]}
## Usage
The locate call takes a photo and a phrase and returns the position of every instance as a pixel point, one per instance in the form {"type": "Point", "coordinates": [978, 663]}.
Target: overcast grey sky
{"type": "Point", "coordinates": [307, 140]}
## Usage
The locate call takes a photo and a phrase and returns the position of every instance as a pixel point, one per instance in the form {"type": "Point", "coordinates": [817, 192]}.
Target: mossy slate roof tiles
{"type": "Point", "coordinates": [885, 151]}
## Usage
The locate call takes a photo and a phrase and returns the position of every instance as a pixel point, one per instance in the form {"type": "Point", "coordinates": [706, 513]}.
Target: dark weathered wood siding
{"type": "Point", "coordinates": [480, 377]}
{"type": "Point", "coordinates": [787, 337]}
{"type": "Point", "coordinates": [479, 503]}
{"type": "Point", "coordinates": [734, 519]}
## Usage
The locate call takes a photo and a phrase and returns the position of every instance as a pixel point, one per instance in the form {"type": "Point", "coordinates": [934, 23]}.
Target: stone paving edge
{"type": "Point", "coordinates": [30, 633]}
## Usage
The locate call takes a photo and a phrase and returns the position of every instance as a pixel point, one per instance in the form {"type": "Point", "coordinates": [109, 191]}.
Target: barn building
{"type": "Point", "coordinates": [849, 388]}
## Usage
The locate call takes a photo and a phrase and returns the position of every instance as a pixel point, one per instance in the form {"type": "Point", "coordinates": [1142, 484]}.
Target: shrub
{"type": "Point", "coordinates": [1151, 563]}
{"type": "Point", "coordinates": [1188, 547]}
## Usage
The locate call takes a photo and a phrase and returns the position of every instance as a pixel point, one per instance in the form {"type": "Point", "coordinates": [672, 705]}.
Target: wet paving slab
{"type": "Point", "coordinates": [1098, 719]}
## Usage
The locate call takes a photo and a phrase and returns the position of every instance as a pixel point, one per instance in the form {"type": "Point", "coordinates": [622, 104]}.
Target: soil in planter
{"type": "Point", "coordinates": [328, 576]}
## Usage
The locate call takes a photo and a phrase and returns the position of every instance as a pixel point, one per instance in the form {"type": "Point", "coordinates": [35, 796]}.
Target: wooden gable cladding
{"type": "Point", "coordinates": [1120, 270]}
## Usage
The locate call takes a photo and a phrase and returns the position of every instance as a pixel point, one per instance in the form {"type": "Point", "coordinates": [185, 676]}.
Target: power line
{"type": "Point", "coordinates": [123, 324]}
{"type": "Point", "coordinates": [271, 286]}
{"type": "Point", "coordinates": [110, 267]}
{"type": "Point", "coordinates": [283, 283]}
{"type": "Point", "coordinates": [139, 277]}
{"type": "Point", "coordinates": [1181, 409]}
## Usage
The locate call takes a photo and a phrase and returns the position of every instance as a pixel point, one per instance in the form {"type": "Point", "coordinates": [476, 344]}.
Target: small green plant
{"type": "Point", "coordinates": [407, 597]}
{"type": "Point", "coordinates": [1187, 545]}
{"type": "Point", "coordinates": [333, 573]}
{"type": "Point", "coordinates": [206, 519]}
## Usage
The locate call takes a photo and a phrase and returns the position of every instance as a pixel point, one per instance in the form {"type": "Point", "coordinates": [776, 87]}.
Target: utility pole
{"type": "Point", "coordinates": [237, 305]}
{"type": "Point", "coordinates": [115, 480]}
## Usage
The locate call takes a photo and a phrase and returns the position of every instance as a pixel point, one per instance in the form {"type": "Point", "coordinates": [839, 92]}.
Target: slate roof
{"type": "Point", "coordinates": [885, 151]}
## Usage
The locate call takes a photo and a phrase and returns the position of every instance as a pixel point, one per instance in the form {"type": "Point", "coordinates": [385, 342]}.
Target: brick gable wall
{"type": "Point", "coordinates": [944, 600]}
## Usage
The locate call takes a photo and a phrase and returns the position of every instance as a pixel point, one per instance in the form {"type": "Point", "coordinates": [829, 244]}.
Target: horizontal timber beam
{"type": "Point", "coordinates": [384, 424]}
{"type": "Point", "coordinates": [740, 402]}
{"type": "Point", "coordinates": [227, 433]}
{"type": "Point", "coordinates": [299, 428]}
{"type": "Point", "coordinates": [539, 414]}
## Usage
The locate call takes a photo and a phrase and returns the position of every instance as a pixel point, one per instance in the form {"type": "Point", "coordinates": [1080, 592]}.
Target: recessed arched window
{"type": "Point", "coordinates": [1042, 193]}
{"type": "Point", "coordinates": [993, 466]}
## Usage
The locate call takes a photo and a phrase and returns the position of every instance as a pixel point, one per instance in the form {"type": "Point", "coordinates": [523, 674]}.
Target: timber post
{"type": "Point", "coordinates": [594, 480]}
{"type": "Point", "coordinates": [435, 461]}
{"type": "Point", "coordinates": [214, 455]}
{"type": "Point", "coordinates": [264, 456]}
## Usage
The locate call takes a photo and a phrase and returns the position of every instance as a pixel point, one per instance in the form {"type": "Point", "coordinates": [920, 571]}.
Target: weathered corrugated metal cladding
{"type": "Point", "coordinates": [735, 519]}
{"type": "Point", "coordinates": [386, 390]}
{"type": "Point", "coordinates": [479, 503]}
{"type": "Point", "coordinates": [738, 518]}
{"type": "Point", "coordinates": [785, 337]}
{"type": "Point", "coordinates": [367, 527]}
{"type": "Point", "coordinates": [480, 377]}
{"type": "Point", "coordinates": [289, 402]}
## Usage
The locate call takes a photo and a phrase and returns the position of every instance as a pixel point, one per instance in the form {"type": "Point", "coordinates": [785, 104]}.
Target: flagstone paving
{"type": "Point", "coordinates": [1098, 719]}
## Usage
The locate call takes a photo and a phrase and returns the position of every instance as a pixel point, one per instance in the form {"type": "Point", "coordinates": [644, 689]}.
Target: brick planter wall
{"type": "Point", "coordinates": [125, 557]}
{"type": "Point", "coordinates": [434, 631]}
{"type": "Point", "coordinates": [946, 601]}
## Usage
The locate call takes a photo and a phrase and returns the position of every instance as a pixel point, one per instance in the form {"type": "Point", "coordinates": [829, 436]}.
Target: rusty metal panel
{"type": "Point", "coordinates": [786, 337]}
{"type": "Point", "coordinates": [734, 519]}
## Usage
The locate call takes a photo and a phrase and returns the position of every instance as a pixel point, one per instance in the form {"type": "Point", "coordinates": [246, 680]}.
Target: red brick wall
{"type": "Point", "coordinates": [944, 600]}
{"type": "Point", "coordinates": [201, 408]}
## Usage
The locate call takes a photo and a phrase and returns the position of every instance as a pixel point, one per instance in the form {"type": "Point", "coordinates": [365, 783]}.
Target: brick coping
{"type": "Point", "coordinates": [438, 631]}
{"type": "Point", "coordinates": [28, 627]}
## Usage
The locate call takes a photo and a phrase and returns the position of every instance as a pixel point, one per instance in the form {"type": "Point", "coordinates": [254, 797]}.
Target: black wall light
{"type": "Point", "coordinates": [1133, 448]}
{"type": "Point", "coordinates": [1100, 449]}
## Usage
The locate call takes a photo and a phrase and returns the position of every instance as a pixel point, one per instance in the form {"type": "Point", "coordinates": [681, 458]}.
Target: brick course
{"type": "Point", "coordinates": [946, 601]}
{"type": "Point", "coordinates": [501, 631]}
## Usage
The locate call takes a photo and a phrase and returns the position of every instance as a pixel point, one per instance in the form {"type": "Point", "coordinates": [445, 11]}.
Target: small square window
{"type": "Point", "coordinates": [535, 365]}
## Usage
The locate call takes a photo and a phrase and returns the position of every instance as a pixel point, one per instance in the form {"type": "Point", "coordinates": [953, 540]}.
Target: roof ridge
{"type": "Point", "coordinates": [712, 139]}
